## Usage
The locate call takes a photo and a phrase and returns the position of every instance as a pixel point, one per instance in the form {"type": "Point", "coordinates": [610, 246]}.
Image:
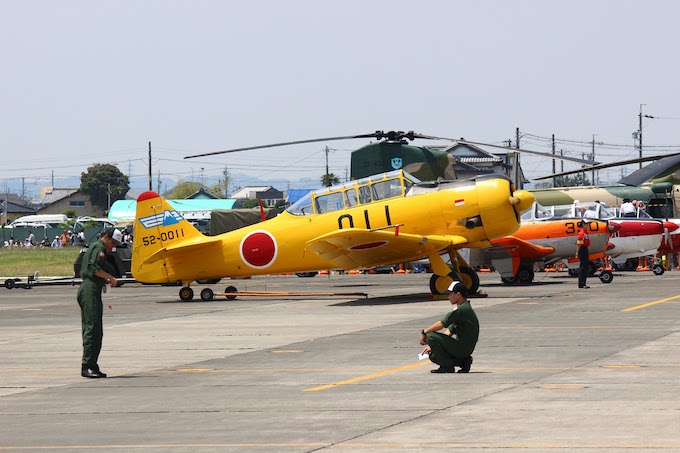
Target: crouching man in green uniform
{"type": "Point", "coordinates": [455, 349]}
{"type": "Point", "coordinates": [90, 299]}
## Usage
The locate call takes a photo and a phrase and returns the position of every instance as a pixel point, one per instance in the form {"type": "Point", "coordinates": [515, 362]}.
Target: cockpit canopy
{"type": "Point", "coordinates": [363, 191]}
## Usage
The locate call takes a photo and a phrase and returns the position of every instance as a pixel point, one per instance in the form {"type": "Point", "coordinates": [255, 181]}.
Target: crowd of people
{"type": "Point", "coordinates": [68, 238]}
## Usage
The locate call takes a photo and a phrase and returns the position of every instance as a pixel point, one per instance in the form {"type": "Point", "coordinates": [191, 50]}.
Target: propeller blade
{"type": "Point", "coordinates": [295, 142]}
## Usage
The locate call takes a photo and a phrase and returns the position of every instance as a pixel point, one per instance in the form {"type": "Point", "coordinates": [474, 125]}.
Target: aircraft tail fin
{"type": "Point", "coordinates": [158, 227]}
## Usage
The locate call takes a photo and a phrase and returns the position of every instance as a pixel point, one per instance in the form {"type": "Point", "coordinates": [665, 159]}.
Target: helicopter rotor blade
{"type": "Point", "coordinates": [537, 153]}
{"type": "Point", "coordinates": [295, 142]}
{"type": "Point", "coordinates": [607, 165]}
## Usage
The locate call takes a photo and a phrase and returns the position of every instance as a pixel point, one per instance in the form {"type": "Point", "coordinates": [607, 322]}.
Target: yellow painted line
{"type": "Point", "coordinates": [651, 303]}
{"type": "Point", "coordinates": [31, 309]}
{"type": "Point", "coordinates": [287, 350]}
{"type": "Point", "coordinates": [367, 377]}
{"type": "Point", "coordinates": [196, 370]}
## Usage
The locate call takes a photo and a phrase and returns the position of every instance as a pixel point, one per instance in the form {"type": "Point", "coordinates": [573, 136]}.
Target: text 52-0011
{"type": "Point", "coordinates": [164, 236]}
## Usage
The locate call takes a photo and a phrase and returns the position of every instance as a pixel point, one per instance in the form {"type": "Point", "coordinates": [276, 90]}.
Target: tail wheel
{"type": "Point", "coordinates": [230, 289]}
{"type": "Point", "coordinates": [440, 283]}
{"type": "Point", "coordinates": [207, 294]}
{"type": "Point", "coordinates": [469, 278]}
{"type": "Point", "coordinates": [606, 276]}
{"type": "Point", "coordinates": [186, 294]}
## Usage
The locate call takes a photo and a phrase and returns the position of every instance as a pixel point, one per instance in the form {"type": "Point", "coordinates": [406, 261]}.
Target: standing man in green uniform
{"type": "Point", "coordinates": [454, 349]}
{"type": "Point", "coordinates": [90, 299]}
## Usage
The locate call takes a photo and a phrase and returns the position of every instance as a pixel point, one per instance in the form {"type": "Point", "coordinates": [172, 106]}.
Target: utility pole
{"type": "Point", "coordinates": [150, 183]}
{"type": "Point", "coordinates": [553, 161]}
{"type": "Point", "coordinates": [108, 196]}
{"type": "Point", "coordinates": [592, 175]}
{"type": "Point", "coordinates": [328, 178]}
{"type": "Point", "coordinates": [52, 178]}
{"type": "Point", "coordinates": [226, 182]}
{"type": "Point", "coordinates": [515, 162]}
{"type": "Point", "coordinates": [640, 133]}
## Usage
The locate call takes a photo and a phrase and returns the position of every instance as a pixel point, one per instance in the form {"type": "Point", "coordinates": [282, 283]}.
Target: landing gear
{"type": "Point", "coordinates": [186, 294]}
{"type": "Point", "coordinates": [606, 276]}
{"type": "Point", "coordinates": [525, 273]}
{"type": "Point", "coordinates": [443, 275]}
{"type": "Point", "coordinates": [658, 269]}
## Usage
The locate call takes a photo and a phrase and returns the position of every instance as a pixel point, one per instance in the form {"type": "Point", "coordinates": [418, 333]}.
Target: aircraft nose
{"type": "Point", "coordinates": [614, 227]}
{"type": "Point", "coordinates": [521, 200]}
{"type": "Point", "coordinates": [671, 226]}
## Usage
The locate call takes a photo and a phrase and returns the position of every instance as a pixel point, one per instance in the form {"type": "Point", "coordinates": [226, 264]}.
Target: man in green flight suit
{"type": "Point", "coordinates": [90, 299]}
{"type": "Point", "coordinates": [454, 349]}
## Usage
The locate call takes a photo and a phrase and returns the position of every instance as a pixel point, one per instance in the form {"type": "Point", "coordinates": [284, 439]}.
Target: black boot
{"type": "Point", "coordinates": [101, 373]}
{"type": "Point", "coordinates": [444, 369]}
{"type": "Point", "coordinates": [88, 372]}
{"type": "Point", "coordinates": [465, 364]}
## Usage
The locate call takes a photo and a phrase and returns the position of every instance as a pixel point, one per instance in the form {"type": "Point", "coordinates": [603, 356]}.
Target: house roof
{"type": "Point", "coordinates": [295, 194]}
{"type": "Point", "coordinates": [250, 191]}
{"type": "Point", "coordinates": [52, 194]}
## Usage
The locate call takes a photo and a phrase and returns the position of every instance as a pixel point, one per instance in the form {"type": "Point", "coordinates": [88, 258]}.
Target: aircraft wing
{"type": "Point", "coordinates": [177, 248]}
{"type": "Point", "coordinates": [511, 246]}
{"type": "Point", "coordinates": [353, 248]}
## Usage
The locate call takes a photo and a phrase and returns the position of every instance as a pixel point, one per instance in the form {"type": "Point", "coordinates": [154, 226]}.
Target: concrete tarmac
{"type": "Point", "coordinates": [557, 368]}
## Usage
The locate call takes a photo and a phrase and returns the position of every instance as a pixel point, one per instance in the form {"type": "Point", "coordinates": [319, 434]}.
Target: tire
{"type": "Point", "coordinates": [207, 294]}
{"type": "Point", "coordinates": [658, 269]}
{"type": "Point", "coordinates": [470, 279]}
{"type": "Point", "coordinates": [525, 274]}
{"type": "Point", "coordinates": [440, 283]}
{"type": "Point", "coordinates": [230, 289]}
{"type": "Point", "coordinates": [606, 276]}
{"type": "Point", "coordinates": [212, 281]}
{"type": "Point", "coordinates": [9, 283]}
{"type": "Point", "coordinates": [307, 274]}
{"type": "Point", "coordinates": [186, 294]}
{"type": "Point", "coordinates": [508, 280]}
{"type": "Point", "coordinates": [573, 272]}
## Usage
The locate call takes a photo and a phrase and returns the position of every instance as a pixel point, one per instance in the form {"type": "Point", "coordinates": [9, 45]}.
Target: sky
{"type": "Point", "coordinates": [85, 82]}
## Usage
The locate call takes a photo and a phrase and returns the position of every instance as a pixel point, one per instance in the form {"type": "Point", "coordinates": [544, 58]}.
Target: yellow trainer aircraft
{"type": "Point", "coordinates": [384, 219]}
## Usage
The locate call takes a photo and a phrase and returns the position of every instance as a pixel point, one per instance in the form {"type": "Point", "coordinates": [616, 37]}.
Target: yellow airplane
{"type": "Point", "coordinates": [384, 219]}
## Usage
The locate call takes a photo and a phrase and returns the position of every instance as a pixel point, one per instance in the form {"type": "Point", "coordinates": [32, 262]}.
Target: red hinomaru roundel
{"type": "Point", "coordinates": [258, 249]}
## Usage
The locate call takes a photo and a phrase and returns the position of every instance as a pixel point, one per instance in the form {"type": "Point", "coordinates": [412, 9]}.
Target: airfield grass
{"type": "Point", "coordinates": [21, 262]}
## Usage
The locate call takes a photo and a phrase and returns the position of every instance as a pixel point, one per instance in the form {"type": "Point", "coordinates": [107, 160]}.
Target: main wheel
{"type": "Point", "coordinates": [509, 280]}
{"type": "Point", "coordinates": [440, 283]}
{"type": "Point", "coordinates": [231, 289]}
{"type": "Point", "coordinates": [525, 274]}
{"type": "Point", "coordinates": [470, 279]}
{"type": "Point", "coordinates": [212, 281]}
{"type": "Point", "coordinates": [207, 294]}
{"type": "Point", "coordinates": [658, 269]}
{"type": "Point", "coordinates": [307, 274]}
{"type": "Point", "coordinates": [9, 283]}
{"type": "Point", "coordinates": [186, 294]}
{"type": "Point", "coordinates": [606, 276]}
